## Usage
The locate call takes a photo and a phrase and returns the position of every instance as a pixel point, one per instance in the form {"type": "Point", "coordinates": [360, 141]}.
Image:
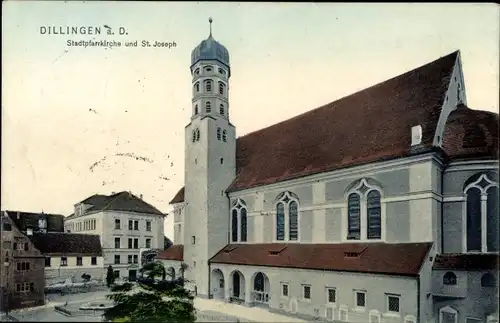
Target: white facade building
{"type": "Point", "coordinates": [379, 207]}
{"type": "Point", "coordinates": [125, 223]}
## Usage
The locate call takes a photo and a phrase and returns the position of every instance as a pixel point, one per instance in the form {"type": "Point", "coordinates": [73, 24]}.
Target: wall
{"type": "Point", "coordinates": [178, 223]}
{"type": "Point", "coordinates": [59, 274]}
{"type": "Point", "coordinates": [376, 287]}
{"type": "Point", "coordinates": [410, 199]}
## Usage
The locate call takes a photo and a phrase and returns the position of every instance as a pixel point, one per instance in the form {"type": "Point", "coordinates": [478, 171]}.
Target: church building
{"type": "Point", "coordinates": [381, 206]}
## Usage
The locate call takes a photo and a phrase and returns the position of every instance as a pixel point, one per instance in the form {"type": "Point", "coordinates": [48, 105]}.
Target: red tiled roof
{"type": "Point", "coordinates": [471, 133]}
{"type": "Point", "coordinates": [371, 125]}
{"type": "Point", "coordinates": [176, 252]}
{"type": "Point", "coordinates": [381, 258]}
{"type": "Point", "coordinates": [179, 197]}
{"type": "Point", "coordinates": [467, 262]}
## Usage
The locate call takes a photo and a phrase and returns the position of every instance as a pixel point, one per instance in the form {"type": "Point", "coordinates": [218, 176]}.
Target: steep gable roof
{"type": "Point", "coordinates": [371, 125]}
{"type": "Point", "coordinates": [67, 244]}
{"type": "Point", "coordinates": [175, 252]}
{"type": "Point", "coordinates": [404, 259]}
{"type": "Point", "coordinates": [24, 220]}
{"type": "Point", "coordinates": [122, 201]}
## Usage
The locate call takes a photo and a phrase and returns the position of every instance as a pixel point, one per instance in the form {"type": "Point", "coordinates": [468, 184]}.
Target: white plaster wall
{"type": "Point", "coordinates": [57, 273]}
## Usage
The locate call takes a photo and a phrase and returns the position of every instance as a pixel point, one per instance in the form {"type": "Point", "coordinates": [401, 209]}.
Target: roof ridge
{"type": "Point", "coordinates": [111, 202]}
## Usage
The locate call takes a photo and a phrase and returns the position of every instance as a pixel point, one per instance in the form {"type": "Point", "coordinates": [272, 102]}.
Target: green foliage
{"type": "Point", "coordinates": [150, 300]}
{"type": "Point", "coordinates": [110, 276]}
{"type": "Point", "coordinates": [86, 277]}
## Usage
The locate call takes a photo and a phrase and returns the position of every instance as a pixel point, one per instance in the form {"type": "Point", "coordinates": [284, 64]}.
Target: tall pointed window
{"type": "Point", "coordinates": [287, 217]}
{"type": "Point", "coordinates": [224, 135]}
{"type": "Point", "coordinates": [364, 212]}
{"type": "Point", "coordinates": [194, 135]}
{"type": "Point", "coordinates": [239, 221]}
{"type": "Point", "coordinates": [221, 109]}
{"type": "Point", "coordinates": [481, 214]}
{"type": "Point", "coordinates": [208, 107]}
{"type": "Point", "coordinates": [197, 87]}
{"type": "Point", "coordinates": [222, 87]}
{"type": "Point", "coordinates": [208, 85]}
{"type": "Point", "coordinates": [196, 109]}
{"type": "Point", "coordinates": [219, 133]}
{"type": "Point", "coordinates": [197, 134]}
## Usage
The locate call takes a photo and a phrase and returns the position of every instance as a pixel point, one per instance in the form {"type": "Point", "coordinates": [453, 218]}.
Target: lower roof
{"type": "Point", "coordinates": [175, 252]}
{"type": "Point", "coordinates": [403, 259]}
{"type": "Point", "coordinates": [67, 244]}
{"type": "Point", "coordinates": [468, 262]}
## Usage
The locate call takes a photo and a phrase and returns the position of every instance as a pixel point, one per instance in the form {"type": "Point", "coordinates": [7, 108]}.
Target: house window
{"type": "Point", "coordinates": [488, 280]}
{"type": "Point", "coordinates": [393, 303]}
{"type": "Point", "coordinates": [221, 88]}
{"type": "Point", "coordinates": [23, 266]}
{"type": "Point", "coordinates": [193, 240]}
{"type": "Point", "coordinates": [93, 261]}
{"type": "Point", "coordinates": [481, 214]}
{"type": "Point", "coordinates": [364, 212]}
{"type": "Point", "coordinates": [64, 261]}
{"type": "Point", "coordinates": [239, 221]}
{"type": "Point", "coordinates": [148, 225]}
{"type": "Point", "coordinates": [224, 135]}
{"type": "Point", "coordinates": [148, 243]}
{"type": "Point", "coordinates": [130, 224]}
{"type": "Point", "coordinates": [219, 131]}
{"type": "Point", "coordinates": [130, 243]}
{"type": "Point", "coordinates": [306, 292]}
{"type": "Point", "coordinates": [117, 243]}
{"type": "Point", "coordinates": [448, 314]}
{"type": "Point", "coordinates": [360, 298]}
{"type": "Point", "coordinates": [26, 246]}
{"type": "Point", "coordinates": [331, 295]}
{"type": "Point", "coordinates": [287, 217]}
{"type": "Point", "coordinates": [136, 225]}
{"type": "Point", "coordinates": [284, 290]}
{"type": "Point", "coordinates": [129, 259]}
{"type": "Point", "coordinates": [117, 259]}
{"type": "Point", "coordinates": [136, 259]}
{"type": "Point", "coordinates": [7, 226]}
{"type": "Point", "coordinates": [32, 287]}
{"type": "Point", "coordinates": [221, 109]}
{"type": "Point", "coordinates": [116, 273]}
{"type": "Point", "coordinates": [208, 86]}
{"type": "Point", "coordinates": [136, 243]}
{"type": "Point", "coordinates": [450, 278]}
{"type": "Point", "coordinates": [208, 107]}
{"type": "Point", "coordinates": [47, 261]}
{"type": "Point", "coordinates": [79, 261]}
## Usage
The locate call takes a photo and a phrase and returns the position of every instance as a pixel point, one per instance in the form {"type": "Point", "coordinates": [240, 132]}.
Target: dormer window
{"type": "Point", "coordinates": [208, 107]}
{"type": "Point", "coordinates": [208, 86]}
{"type": "Point", "coordinates": [221, 109]}
{"type": "Point", "coordinates": [208, 69]}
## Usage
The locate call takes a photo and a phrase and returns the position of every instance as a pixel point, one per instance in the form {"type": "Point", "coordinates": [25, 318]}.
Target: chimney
{"type": "Point", "coordinates": [29, 231]}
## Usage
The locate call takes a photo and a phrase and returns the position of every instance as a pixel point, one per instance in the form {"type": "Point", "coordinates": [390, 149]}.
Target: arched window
{"type": "Point", "coordinates": [258, 283]}
{"type": "Point", "coordinates": [218, 133]}
{"type": "Point", "coordinates": [364, 211]}
{"type": "Point", "coordinates": [481, 214]}
{"type": "Point", "coordinates": [222, 72]}
{"type": "Point", "coordinates": [197, 87]}
{"type": "Point", "coordinates": [234, 226]}
{"type": "Point", "coordinates": [224, 135]}
{"type": "Point", "coordinates": [208, 86]}
{"type": "Point", "coordinates": [196, 109]}
{"type": "Point", "coordinates": [221, 109]}
{"type": "Point", "coordinates": [239, 221]}
{"type": "Point", "coordinates": [194, 135]}
{"type": "Point", "coordinates": [197, 134]}
{"type": "Point", "coordinates": [208, 107]}
{"type": "Point", "coordinates": [450, 278]}
{"type": "Point", "coordinates": [207, 69]}
{"type": "Point", "coordinates": [221, 88]}
{"type": "Point", "coordinates": [287, 217]}
{"type": "Point", "coordinates": [197, 71]}
{"type": "Point", "coordinates": [488, 280]}
{"type": "Point", "coordinates": [280, 222]}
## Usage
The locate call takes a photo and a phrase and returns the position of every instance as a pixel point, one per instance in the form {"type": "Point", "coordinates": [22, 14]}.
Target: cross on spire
{"type": "Point", "coordinates": [210, 20]}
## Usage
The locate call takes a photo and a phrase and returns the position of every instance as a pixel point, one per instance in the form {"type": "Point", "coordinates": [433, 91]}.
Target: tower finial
{"type": "Point", "coordinates": [210, 20]}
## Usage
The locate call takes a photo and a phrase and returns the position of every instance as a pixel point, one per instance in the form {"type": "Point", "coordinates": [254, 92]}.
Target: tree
{"type": "Point", "coordinates": [151, 300]}
{"type": "Point", "coordinates": [86, 277]}
{"type": "Point", "coordinates": [110, 276]}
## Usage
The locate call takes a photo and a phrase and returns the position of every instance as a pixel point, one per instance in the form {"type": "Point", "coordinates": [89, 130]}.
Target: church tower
{"type": "Point", "coordinates": [210, 165]}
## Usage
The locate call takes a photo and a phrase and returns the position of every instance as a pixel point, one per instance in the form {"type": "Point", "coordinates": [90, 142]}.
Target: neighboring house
{"type": "Point", "coordinates": [367, 209]}
{"type": "Point", "coordinates": [68, 256]}
{"type": "Point", "coordinates": [125, 223]}
{"type": "Point", "coordinates": [37, 222]}
{"type": "Point", "coordinates": [21, 279]}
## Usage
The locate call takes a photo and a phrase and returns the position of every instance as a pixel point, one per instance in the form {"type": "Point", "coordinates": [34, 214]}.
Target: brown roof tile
{"type": "Point", "coordinates": [381, 258]}
{"type": "Point", "coordinates": [466, 261]}
{"type": "Point", "coordinates": [67, 244]}
{"type": "Point", "coordinates": [175, 252]}
{"type": "Point", "coordinates": [471, 133]}
{"type": "Point", "coordinates": [347, 132]}
{"type": "Point", "coordinates": [179, 197]}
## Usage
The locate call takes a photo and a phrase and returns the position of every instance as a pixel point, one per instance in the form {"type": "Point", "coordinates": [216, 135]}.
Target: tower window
{"type": "Point", "coordinates": [208, 86]}
{"type": "Point", "coordinates": [208, 69]}
{"type": "Point", "coordinates": [197, 87]}
{"type": "Point", "coordinates": [222, 161]}
{"type": "Point", "coordinates": [194, 135]}
{"type": "Point", "coordinates": [196, 109]}
{"type": "Point", "coordinates": [197, 134]}
{"type": "Point", "coordinates": [219, 133]}
{"type": "Point", "coordinates": [221, 109]}
{"type": "Point", "coordinates": [221, 88]}
{"type": "Point", "coordinates": [224, 136]}
{"type": "Point", "coordinates": [197, 71]}
{"type": "Point", "coordinates": [208, 107]}
{"type": "Point", "coordinates": [221, 71]}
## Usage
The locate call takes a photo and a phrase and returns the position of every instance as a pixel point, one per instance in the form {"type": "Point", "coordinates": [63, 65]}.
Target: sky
{"type": "Point", "coordinates": [74, 119]}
